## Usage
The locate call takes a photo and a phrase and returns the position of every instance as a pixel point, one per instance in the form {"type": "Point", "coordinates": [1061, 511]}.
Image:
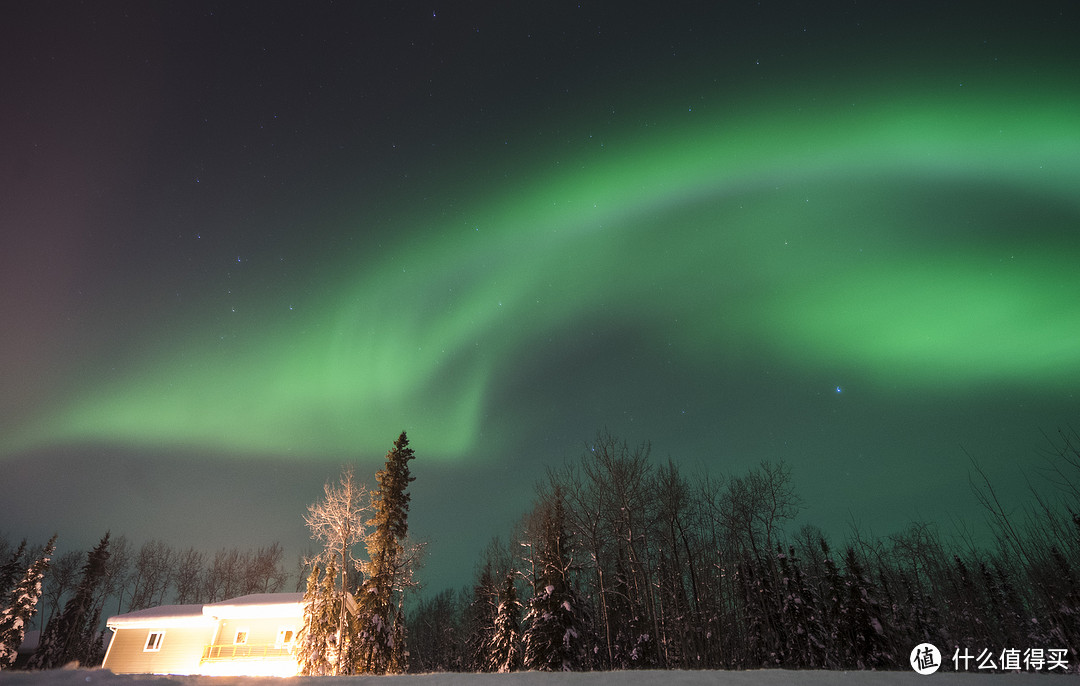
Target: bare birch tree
{"type": "Point", "coordinates": [190, 573]}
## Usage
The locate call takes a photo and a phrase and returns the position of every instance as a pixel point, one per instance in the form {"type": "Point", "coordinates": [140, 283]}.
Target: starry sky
{"type": "Point", "coordinates": [244, 243]}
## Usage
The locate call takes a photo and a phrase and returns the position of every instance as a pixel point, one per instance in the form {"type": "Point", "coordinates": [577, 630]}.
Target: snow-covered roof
{"type": "Point", "coordinates": [258, 605]}
{"type": "Point", "coordinates": [247, 606]}
{"type": "Point", "coordinates": [161, 617]}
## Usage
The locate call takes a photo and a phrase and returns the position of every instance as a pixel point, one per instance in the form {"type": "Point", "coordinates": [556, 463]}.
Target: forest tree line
{"type": "Point", "coordinates": [624, 563]}
{"type": "Point", "coordinates": [621, 563]}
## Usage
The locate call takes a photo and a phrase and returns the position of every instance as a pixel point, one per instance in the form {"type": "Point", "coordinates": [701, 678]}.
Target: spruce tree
{"type": "Point", "coordinates": [860, 625]}
{"type": "Point", "coordinates": [804, 631]}
{"type": "Point", "coordinates": [557, 620]}
{"type": "Point", "coordinates": [834, 610]}
{"type": "Point", "coordinates": [505, 642]}
{"type": "Point", "coordinates": [760, 649]}
{"type": "Point", "coordinates": [379, 633]}
{"type": "Point", "coordinates": [316, 642]}
{"type": "Point", "coordinates": [480, 619]}
{"type": "Point", "coordinates": [10, 570]}
{"type": "Point", "coordinates": [22, 605]}
{"type": "Point", "coordinates": [399, 656]}
{"type": "Point", "coordinates": [71, 636]}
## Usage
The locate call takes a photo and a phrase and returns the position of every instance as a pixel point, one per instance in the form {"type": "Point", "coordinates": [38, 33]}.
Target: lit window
{"type": "Point", "coordinates": [153, 641]}
{"type": "Point", "coordinates": [241, 637]}
{"type": "Point", "coordinates": [284, 638]}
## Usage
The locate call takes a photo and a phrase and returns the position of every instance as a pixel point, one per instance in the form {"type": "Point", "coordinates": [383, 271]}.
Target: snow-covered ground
{"type": "Point", "coordinates": [768, 677]}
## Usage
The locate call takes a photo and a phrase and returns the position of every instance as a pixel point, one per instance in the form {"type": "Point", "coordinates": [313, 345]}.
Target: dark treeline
{"type": "Point", "coordinates": [624, 563]}
{"type": "Point", "coordinates": [77, 590]}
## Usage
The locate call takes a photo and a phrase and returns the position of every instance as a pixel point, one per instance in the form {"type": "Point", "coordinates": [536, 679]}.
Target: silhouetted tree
{"type": "Point", "coordinates": [12, 568]}
{"type": "Point", "coordinates": [60, 579]}
{"type": "Point", "coordinates": [436, 636]}
{"type": "Point", "coordinates": [190, 576]}
{"type": "Point", "coordinates": [73, 635]}
{"type": "Point", "coordinates": [155, 566]}
{"type": "Point", "coordinates": [480, 619]}
{"type": "Point", "coordinates": [557, 623]}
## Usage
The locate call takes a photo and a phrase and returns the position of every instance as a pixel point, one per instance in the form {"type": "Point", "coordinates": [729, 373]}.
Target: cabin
{"type": "Point", "coordinates": [252, 635]}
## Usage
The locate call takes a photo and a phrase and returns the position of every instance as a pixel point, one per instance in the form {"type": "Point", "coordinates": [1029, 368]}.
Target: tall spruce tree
{"type": "Point", "coordinates": [480, 619]}
{"type": "Point", "coordinates": [73, 635]}
{"type": "Point", "coordinates": [21, 606]}
{"type": "Point", "coordinates": [381, 628]}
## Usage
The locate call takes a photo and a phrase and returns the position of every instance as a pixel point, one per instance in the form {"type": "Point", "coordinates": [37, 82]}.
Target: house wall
{"type": "Point", "coordinates": [261, 630]}
{"type": "Point", "coordinates": [181, 650]}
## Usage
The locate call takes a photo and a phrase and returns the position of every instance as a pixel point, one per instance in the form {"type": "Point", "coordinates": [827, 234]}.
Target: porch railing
{"type": "Point", "coordinates": [244, 651]}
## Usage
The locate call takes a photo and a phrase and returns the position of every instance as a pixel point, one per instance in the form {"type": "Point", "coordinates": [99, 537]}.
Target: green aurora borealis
{"type": "Point", "coordinates": [916, 242]}
{"type": "Point", "coordinates": [243, 244]}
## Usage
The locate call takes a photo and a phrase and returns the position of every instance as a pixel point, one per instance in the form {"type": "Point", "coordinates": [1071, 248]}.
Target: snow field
{"type": "Point", "coordinates": [766, 677]}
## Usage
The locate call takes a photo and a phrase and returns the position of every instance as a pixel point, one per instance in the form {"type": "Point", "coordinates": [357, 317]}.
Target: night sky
{"type": "Point", "coordinates": [242, 244]}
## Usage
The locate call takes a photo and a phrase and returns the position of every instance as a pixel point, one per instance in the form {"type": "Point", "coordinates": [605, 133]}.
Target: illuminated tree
{"type": "Point", "coordinates": [316, 642]}
{"type": "Point", "coordinates": [505, 644]}
{"type": "Point", "coordinates": [382, 629]}
{"type": "Point", "coordinates": [339, 522]}
{"type": "Point", "coordinates": [21, 607]}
